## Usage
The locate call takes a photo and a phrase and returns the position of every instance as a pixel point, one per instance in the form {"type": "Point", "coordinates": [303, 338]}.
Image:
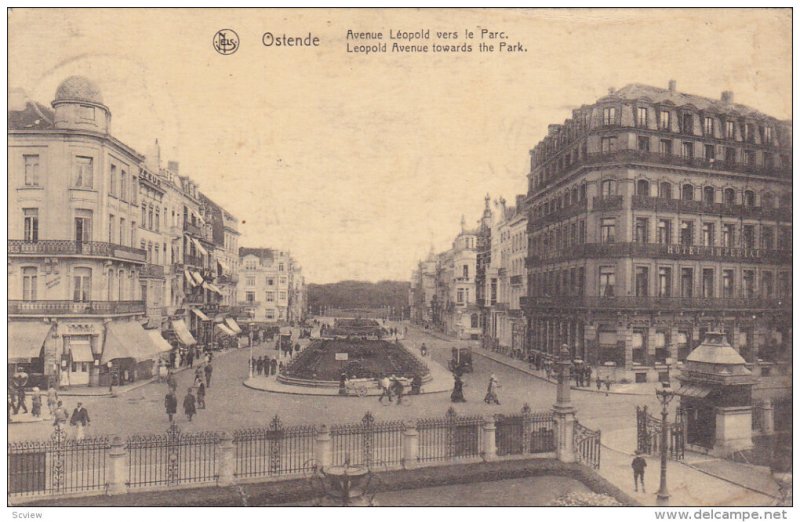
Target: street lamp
{"type": "Point", "coordinates": [665, 396]}
{"type": "Point", "coordinates": [110, 378]}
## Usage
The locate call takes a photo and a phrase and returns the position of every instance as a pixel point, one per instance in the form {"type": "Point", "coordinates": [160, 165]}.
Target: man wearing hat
{"type": "Point", "coordinates": [638, 464]}
{"type": "Point", "coordinates": [79, 419]}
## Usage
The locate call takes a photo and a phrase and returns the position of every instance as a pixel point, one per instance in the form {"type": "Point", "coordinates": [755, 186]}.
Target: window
{"type": "Point", "coordinates": [642, 187]}
{"type": "Point", "coordinates": [729, 130]}
{"type": "Point", "coordinates": [283, 280]}
{"type": "Point", "coordinates": [687, 149]}
{"type": "Point", "coordinates": [663, 120]}
{"type": "Point", "coordinates": [157, 219]}
{"type": "Point", "coordinates": [749, 199]}
{"type": "Point", "coordinates": [640, 231]}
{"type": "Point", "coordinates": [784, 284]}
{"type": "Point", "coordinates": [608, 144]}
{"type": "Point", "coordinates": [664, 231]}
{"type": "Point", "coordinates": [687, 233]}
{"type": "Point", "coordinates": [609, 116]}
{"type": "Point", "coordinates": [29, 279]}
{"type": "Point", "coordinates": [749, 133]}
{"type": "Point", "coordinates": [607, 281]}
{"type": "Point", "coordinates": [687, 192]}
{"type": "Point", "coordinates": [665, 147]}
{"type": "Point", "coordinates": [250, 297]}
{"type": "Point", "coordinates": [608, 188]}
{"type": "Point", "coordinates": [664, 282]}
{"type": "Point", "coordinates": [728, 235]}
{"type": "Point", "coordinates": [708, 234]}
{"type": "Point", "coordinates": [749, 236]}
{"type": "Point", "coordinates": [122, 230]}
{"type": "Point", "coordinates": [270, 297]}
{"type": "Point", "coordinates": [768, 200]}
{"type": "Point", "coordinates": [665, 190]}
{"type": "Point", "coordinates": [30, 218]}
{"type": "Point", "coordinates": [144, 215]}
{"type": "Point", "coordinates": [708, 126]}
{"type": "Point", "coordinates": [112, 186]}
{"type": "Point", "coordinates": [708, 195]}
{"type": "Point", "coordinates": [270, 281]}
{"type": "Point", "coordinates": [460, 296]}
{"type": "Point", "coordinates": [607, 230]}
{"type": "Point", "coordinates": [251, 280]}
{"type": "Point", "coordinates": [465, 271]}
{"type": "Point", "coordinates": [582, 232]}
{"type": "Point", "coordinates": [641, 281]}
{"type": "Point", "coordinates": [82, 284]}
{"type": "Point", "coordinates": [708, 282]}
{"type": "Point", "coordinates": [644, 143]}
{"type": "Point", "coordinates": [687, 282]}
{"type": "Point", "coordinates": [730, 155]}
{"type": "Point", "coordinates": [123, 185]}
{"type": "Point", "coordinates": [729, 196]}
{"type": "Point", "coordinates": [727, 283]}
{"type": "Point", "coordinates": [82, 172]}
{"type": "Point", "coordinates": [31, 162]}
{"type": "Point", "coordinates": [150, 217]}
{"type": "Point", "coordinates": [280, 267]}
{"type": "Point", "coordinates": [688, 124]}
{"type": "Point", "coordinates": [708, 152]}
{"type": "Point", "coordinates": [83, 225]}
{"type": "Point", "coordinates": [785, 238]}
{"type": "Point", "coordinates": [111, 222]}
{"type": "Point", "coordinates": [750, 157]}
{"type": "Point", "coordinates": [767, 284]}
{"type": "Point", "coordinates": [641, 117]}
{"type": "Point", "coordinates": [748, 284]}
{"type": "Point", "coordinates": [766, 135]}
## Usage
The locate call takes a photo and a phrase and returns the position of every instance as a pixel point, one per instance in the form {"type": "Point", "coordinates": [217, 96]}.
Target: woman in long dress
{"type": "Point", "coordinates": [491, 392]}
{"type": "Point", "coordinates": [458, 390]}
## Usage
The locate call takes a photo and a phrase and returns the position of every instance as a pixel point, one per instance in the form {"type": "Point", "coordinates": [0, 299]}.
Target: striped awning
{"type": "Point", "coordinates": [183, 333]}
{"type": "Point", "coordinates": [199, 313]}
{"type": "Point", "coordinates": [25, 340]}
{"type": "Point", "coordinates": [693, 390]}
{"type": "Point", "coordinates": [189, 278]}
{"type": "Point", "coordinates": [198, 279]}
{"type": "Point", "coordinates": [232, 325]}
{"type": "Point", "coordinates": [212, 288]}
{"type": "Point", "coordinates": [224, 329]}
{"type": "Point", "coordinates": [200, 247]}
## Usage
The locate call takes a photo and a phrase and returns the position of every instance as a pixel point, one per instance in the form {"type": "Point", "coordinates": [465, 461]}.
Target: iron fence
{"type": "Point", "coordinates": [648, 434]}
{"type": "Point", "coordinates": [368, 443]}
{"type": "Point", "coordinates": [172, 458]}
{"type": "Point", "coordinates": [451, 437]}
{"type": "Point", "coordinates": [587, 445]}
{"type": "Point", "coordinates": [57, 466]}
{"type": "Point", "coordinates": [525, 433]}
{"type": "Point", "coordinates": [274, 450]}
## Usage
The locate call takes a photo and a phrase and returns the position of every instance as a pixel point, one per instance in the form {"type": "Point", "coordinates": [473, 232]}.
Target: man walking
{"type": "Point", "coordinates": [638, 464]}
{"type": "Point", "coordinates": [59, 415]}
{"type": "Point", "coordinates": [385, 391]}
{"type": "Point", "coordinates": [79, 419]}
{"type": "Point", "coordinates": [491, 392]}
{"type": "Point", "coordinates": [171, 404]}
{"type": "Point", "coordinates": [208, 371]}
{"type": "Point", "coordinates": [189, 405]}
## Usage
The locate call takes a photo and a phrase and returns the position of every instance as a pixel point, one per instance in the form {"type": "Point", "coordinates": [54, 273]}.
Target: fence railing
{"type": "Point", "coordinates": [368, 443]}
{"type": "Point", "coordinates": [274, 450]}
{"type": "Point", "coordinates": [525, 433]}
{"type": "Point", "coordinates": [451, 437]}
{"type": "Point", "coordinates": [587, 445]}
{"type": "Point", "coordinates": [648, 434]}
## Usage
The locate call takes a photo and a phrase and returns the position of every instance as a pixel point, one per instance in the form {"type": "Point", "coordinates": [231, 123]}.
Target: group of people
{"type": "Point", "coordinates": [392, 387]}
{"type": "Point", "coordinates": [266, 365]}
{"type": "Point", "coordinates": [195, 397]}
{"type": "Point", "coordinates": [491, 397]}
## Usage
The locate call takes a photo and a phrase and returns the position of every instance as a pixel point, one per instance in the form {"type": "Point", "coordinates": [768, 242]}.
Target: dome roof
{"type": "Point", "coordinates": [78, 88]}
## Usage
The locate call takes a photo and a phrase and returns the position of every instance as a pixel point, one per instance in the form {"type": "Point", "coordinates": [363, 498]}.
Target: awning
{"type": "Point", "coordinates": [25, 340]}
{"type": "Point", "coordinates": [224, 329]}
{"type": "Point", "coordinates": [189, 278]}
{"type": "Point", "coordinates": [232, 325]}
{"type": "Point", "coordinates": [183, 333]}
{"type": "Point", "coordinates": [129, 340]}
{"type": "Point", "coordinates": [225, 268]}
{"type": "Point", "coordinates": [200, 247]}
{"type": "Point", "coordinates": [199, 313]}
{"type": "Point", "coordinates": [81, 351]}
{"type": "Point", "coordinates": [198, 279]}
{"type": "Point", "coordinates": [693, 390]}
{"type": "Point", "coordinates": [161, 344]}
{"type": "Point", "coordinates": [212, 288]}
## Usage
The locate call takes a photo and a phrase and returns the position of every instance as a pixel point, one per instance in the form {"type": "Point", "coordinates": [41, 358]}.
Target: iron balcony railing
{"type": "Point", "coordinates": [607, 203]}
{"type": "Point", "coordinates": [150, 271]}
{"type": "Point", "coordinates": [64, 247]}
{"type": "Point", "coordinates": [657, 303]}
{"type": "Point", "coordinates": [192, 229]}
{"type": "Point", "coordinates": [701, 207]}
{"type": "Point", "coordinates": [563, 213]}
{"type": "Point", "coordinates": [22, 307]}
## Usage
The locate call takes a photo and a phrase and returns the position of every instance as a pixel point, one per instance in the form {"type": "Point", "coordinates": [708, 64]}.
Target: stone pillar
{"type": "Point", "coordinates": [410, 445]}
{"type": "Point", "coordinates": [624, 336]}
{"type": "Point", "coordinates": [563, 411]}
{"type": "Point", "coordinates": [117, 467]}
{"type": "Point", "coordinates": [489, 445]}
{"type": "Point", "coordinates": [227, 463]}
{"type": "Point", "coordinates": [767, 417]}
{"type": "Point", "coordinates": [323, 450]}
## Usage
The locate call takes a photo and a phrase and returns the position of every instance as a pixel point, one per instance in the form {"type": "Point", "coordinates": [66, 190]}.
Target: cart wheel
{"type": "Point", "coordinates": [362, 391]}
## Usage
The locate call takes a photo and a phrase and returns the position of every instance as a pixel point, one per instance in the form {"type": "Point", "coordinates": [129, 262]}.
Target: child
{"type": "Point", "coordinates": [36, 403]}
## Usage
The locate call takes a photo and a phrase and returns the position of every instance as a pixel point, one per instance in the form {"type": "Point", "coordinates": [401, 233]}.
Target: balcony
{"type": "Point", "coordinates": [607, 203]}
{"type": "Point", "coordinates": [193, 261]}
{"type": "Point", "coordinates": [559, 215]}
{"type": "Point", "coordinates": [717, 209]}
{"type": "Point", "coordinates": [192, 229]}
{"type": "Point", "coordinates": [149, 271]}
{"type": "Point", "coordinates": [516, 280]}
{"type": "Point", "coordinates": [661, 251]}
{"type": "Point", "coordinates": [673, 304]}
{"type": "Point", "coordinates": [63, 247]}
{"type": "Point", "coordinates": [51, 308]}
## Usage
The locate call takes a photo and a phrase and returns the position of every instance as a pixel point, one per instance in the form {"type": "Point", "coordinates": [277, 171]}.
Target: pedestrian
{"type": "Point", "coordinates": [385, 390]}
{"type": "Point", "coordinates": [458, 390]}
{"type": "Point", "coordinates": [588, 376]}
{"type": "Point", "coordinates": [190, 358]}
{"type": "Point", "coordinates": [259, 365]}
{"type": "Point", "coordinates": [397, 389]}
{"type": "Point", "coordinates": [343, 384]}
{"type": "Point", "coordinates": [491, 391]}
{"type": "Point", "coordinates": [273, 366]}
{"type": "Point", "coordinates": [599, 382]}
{"type": "Point", "coordinates": [52, 399]}
{"type": "Point", "coordinates": [36, 402]}
{"type": "Point", "coordinates": [638, 464]}
{"type": "Point", "coordinates": [297, 348]}
{"type": "Point", "coordinates": [79, 419]}
{"type": "Point", "coordinates": [171, 403]}
{"type": "Point", "coordinates": [280, 367]}
{"type": "Point", "coordinates": [189, 406]}
{"type": "Point", "coordinates": [59, 415]}
{"type": "Point", "coordinates": [201, 396]}
{"type": "Point", "coordinates": [208, 371]}
{"type": "Point", "coordinates": [608, 385]}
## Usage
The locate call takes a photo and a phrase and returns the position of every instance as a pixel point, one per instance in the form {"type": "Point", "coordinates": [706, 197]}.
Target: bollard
{"type": "Point", "coordinates": [117, 467]}
{"type": "Point", "coordinates": [323, 449]}
{"type": "Point", "coordinates": [410, 445]}
{"type": "Point", "coordinates": [227, 463]}
{"type": "Point", "coordinates": [489, 446]}
{"type": "Point", "coordinates": [767, 417]}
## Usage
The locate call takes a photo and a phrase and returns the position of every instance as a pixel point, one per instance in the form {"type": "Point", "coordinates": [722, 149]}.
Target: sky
{"type": "Point", "coordinates": [360, 163]}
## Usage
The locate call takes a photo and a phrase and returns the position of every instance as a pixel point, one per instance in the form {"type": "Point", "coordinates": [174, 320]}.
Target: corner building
{"type": "Point", "coordinates": [655, 216]}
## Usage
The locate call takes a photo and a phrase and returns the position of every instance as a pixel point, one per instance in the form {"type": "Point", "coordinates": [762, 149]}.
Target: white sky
{"type": "Point", "coordinates": [359, 163]}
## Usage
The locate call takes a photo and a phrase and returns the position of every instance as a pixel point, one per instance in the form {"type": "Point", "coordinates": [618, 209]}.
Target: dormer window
{"type": "Point", "coordinates": [610, 116]}
{"type": "Point", "coordinates": [663, 120]}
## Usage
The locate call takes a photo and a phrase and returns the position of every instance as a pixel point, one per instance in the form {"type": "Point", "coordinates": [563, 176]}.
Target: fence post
{"type": "Point", "coordinates": [117, 467]}
{"type": "Point", "coordinates": [489, 446]}
{"type": "Point", "coordinates": [563, 411]}
{"type": "Point", "coordinates": [227, 462]}
{"type": "Point", "coordinates": [323, 449]}
{"type": "Point", "coordinates": [767, 417]}
{"type": "Point", "coordinates": [410, 445]}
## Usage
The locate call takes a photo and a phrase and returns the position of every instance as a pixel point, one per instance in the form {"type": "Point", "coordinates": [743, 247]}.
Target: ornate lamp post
{"type": "Point", "coordinates": [110, 377]}
{"type": "Point", "coordinates": [664, 397]}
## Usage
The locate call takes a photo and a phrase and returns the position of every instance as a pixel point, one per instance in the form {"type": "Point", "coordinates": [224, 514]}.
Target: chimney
{"type": "Point", "coordinates": [173, 166]}
{"type": "Point", "coordinates": [553, 128]}
{"type": "Point", "coordinates": [611, 90]}
{"type": "Point", "coordinates": [727, 97]}
{"type": "Point", "coordinates": [673, 85]}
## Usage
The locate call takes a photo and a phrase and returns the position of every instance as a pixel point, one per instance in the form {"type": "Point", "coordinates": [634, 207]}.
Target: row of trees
{"type": "Point", "coordinates": [359, 294]}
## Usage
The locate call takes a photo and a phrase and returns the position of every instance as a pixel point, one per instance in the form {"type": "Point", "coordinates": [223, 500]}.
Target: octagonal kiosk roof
{"type": "Point", "coordinates": [713, 364]}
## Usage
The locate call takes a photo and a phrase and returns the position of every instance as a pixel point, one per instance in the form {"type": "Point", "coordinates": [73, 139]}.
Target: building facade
{"type": "Point", "coordinates": [271, 286]}
{"type": "Point", "coordinates": [655, 216]}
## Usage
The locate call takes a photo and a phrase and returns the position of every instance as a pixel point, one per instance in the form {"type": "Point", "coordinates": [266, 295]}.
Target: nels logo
{"type": "Point", "coordinates": [226, 41]}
